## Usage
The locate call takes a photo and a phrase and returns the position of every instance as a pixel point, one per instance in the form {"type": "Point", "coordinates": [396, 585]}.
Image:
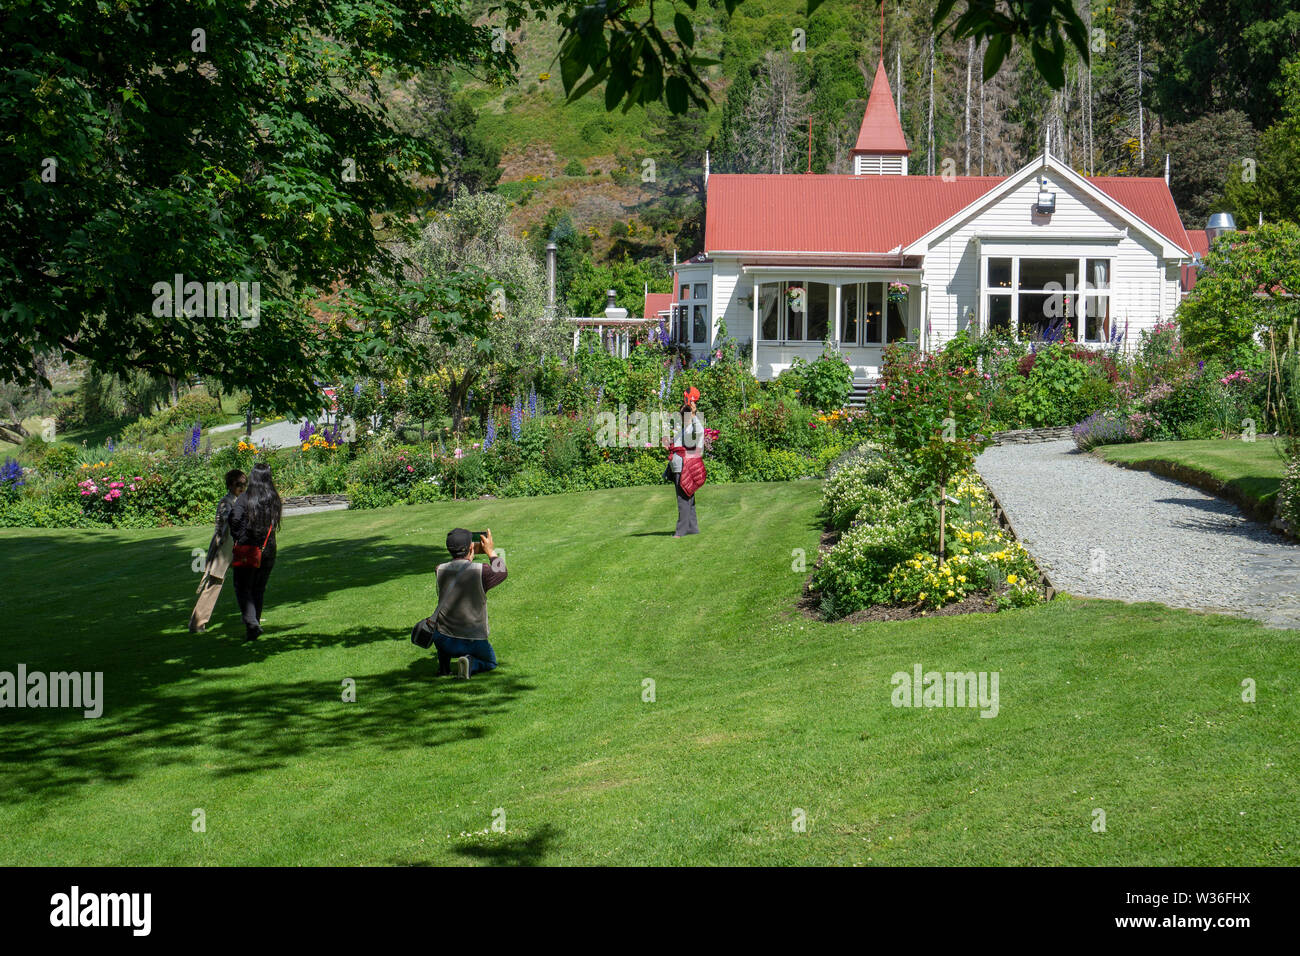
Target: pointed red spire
{"type": "Point", "coordinates": [881, 131]}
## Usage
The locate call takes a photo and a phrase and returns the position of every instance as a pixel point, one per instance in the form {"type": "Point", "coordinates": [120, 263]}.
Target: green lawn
{"type": "Point", "coordinates": [1251, 470]}
{"type": "Point", "coordinates": [758, 713]}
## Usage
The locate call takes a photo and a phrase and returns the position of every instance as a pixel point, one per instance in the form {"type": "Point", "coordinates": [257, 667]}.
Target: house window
{"type": "Point", "coordinates": [686, 292]}
{"type": "Point", "coordinates": [681, 315]}
{"type": "Point", "coordinates": [796, 311]}
{"type": "Point", "coordinates": [700, 324]}
{"type": "Point", "coordinates": [873, 326]}
{"type": "Point", "coordinates": [1042, 297]}
{"type": "Point", "coordinates": [896, 328]}
{"type": "Point", "coordinates": [770, 295]}
{"type": "Point", "coordinates": [1046, 304]}
{"type": "Point", "coordinates": [868, 317]}
{"type": "Point", "coordinates": [850, 319]}
{"type": "Point", "coordinates": [701, 290]}
{"type": "Point", "coordinates": [1096, 301]}
{"type": "Point", "coordinates": [819, 311]}
{"type": "Point", "coordinates": [796, 306]}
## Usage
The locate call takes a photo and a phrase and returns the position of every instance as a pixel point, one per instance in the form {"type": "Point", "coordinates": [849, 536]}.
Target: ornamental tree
{"type": "Point", "coordinates": [935, 414]}
{"type": "Point", "coordinates": [1248, 286]}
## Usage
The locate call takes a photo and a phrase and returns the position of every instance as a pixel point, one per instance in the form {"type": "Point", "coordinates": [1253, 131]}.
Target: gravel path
{"type": "Point", "coordinates": [1103, 531]}
{"type": "Point", "coordinates": [277, 435]}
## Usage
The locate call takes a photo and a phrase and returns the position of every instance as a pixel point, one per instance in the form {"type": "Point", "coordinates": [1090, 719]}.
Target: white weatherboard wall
{"type": "Point", "coordinates": [726, 306]}
{"type": "Point", "coordinates": [1144, 288]}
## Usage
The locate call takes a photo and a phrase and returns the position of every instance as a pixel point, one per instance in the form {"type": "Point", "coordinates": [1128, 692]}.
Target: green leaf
{"type": "Point", "coordinates": [684, 29]}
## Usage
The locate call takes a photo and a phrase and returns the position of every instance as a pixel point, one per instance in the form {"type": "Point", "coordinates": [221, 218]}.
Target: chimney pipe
{"type": "Point", "coordinates": [1219, 223]}
{"type": "Point", "coordinates": [550, 275]}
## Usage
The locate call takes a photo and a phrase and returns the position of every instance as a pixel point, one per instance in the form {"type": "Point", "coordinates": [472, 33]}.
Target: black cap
{"type": "Point", "coordinates": [458, 540]}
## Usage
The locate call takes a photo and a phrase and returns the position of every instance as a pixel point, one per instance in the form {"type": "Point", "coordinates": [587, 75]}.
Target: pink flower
{"type": "Point", "coordinates": [410, 468]}
{"type": "Point", "coordinates": [132, 488]}
{"type": "Point", "coordinates": [108, 497]}
{"type": "Point", "coordinates": [460, 453]}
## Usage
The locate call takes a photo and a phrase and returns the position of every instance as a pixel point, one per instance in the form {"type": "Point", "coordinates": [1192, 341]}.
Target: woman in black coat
{"type": "Point", "coordinates": [254, 519]}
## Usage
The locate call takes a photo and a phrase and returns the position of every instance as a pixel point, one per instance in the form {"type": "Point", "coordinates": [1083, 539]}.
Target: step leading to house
{"type": "Point", "coordinates": [861, 389]}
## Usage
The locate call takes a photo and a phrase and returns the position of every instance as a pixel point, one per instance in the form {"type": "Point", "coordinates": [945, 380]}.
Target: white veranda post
{"type": "Point", "coordinates": [753, 342]}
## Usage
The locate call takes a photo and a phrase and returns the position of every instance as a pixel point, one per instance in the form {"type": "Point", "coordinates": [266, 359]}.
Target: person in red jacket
{"type": "Point", "coordinates": [686, 462]}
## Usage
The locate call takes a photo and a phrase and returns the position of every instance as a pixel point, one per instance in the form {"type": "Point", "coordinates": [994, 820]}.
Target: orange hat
{"type": "Point", "coordinates": [691, 395]}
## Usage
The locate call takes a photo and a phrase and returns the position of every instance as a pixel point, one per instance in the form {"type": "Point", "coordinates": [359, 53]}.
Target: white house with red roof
{"type": "Point", "coordinates": [862, 260]}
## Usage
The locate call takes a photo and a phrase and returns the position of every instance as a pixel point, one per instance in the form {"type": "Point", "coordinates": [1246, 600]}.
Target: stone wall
{"type": "Point", "coordinates": [315, 501]}
{"type": "Point", "coordinates": [1029, 436]}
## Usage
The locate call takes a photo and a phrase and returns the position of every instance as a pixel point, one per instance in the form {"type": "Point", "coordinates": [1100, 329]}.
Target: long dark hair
{"type": "Point", "coordinates": [261, 500]}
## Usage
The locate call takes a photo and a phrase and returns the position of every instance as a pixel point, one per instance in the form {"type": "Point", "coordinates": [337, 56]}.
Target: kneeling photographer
{"type": "Point", "coordinates": [460, 624]}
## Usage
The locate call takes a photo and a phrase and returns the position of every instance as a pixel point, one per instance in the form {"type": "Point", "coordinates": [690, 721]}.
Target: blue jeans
{"type": "Point", "coordinates": [480, 653]}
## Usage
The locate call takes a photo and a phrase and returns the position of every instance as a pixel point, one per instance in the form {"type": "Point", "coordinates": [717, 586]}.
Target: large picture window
{"type": "Point", "coordinates": [1042, 297]}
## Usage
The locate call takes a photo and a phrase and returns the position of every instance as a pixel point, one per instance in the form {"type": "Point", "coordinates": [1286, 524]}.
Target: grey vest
{"type": "Point", "coordinates": [462, 603]}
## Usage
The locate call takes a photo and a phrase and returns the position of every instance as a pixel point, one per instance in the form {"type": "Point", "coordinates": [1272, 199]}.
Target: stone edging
{"type": "Point", "coordinates": [1030, 436]}
{"type": "Point", "coordinates": [1049, 589]}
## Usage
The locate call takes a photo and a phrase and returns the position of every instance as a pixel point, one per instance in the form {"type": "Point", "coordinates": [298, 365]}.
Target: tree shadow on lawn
{"type": "Point", "coordinates": [126, 622]}
{"type": "Point", "coordinates": [232, 732]}
{"type": "Point", "coordinates": [513, 851]}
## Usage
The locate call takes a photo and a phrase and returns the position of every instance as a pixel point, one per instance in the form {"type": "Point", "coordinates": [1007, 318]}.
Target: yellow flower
{"type": "Point", "coordinates": [921, 596]}
{"type": "Point", "coordinates": [1012, 579]}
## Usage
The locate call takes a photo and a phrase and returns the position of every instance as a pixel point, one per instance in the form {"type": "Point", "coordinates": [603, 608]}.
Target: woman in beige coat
{"type": "Point", "coordinates": [220, 551]}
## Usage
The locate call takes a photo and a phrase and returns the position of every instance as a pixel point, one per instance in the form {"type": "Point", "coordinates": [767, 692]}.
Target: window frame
{"type": "Point", "coordinates": [1075, 297]}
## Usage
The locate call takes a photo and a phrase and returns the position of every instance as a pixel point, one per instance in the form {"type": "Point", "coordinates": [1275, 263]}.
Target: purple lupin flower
{"type": "Point", "coordinates": [307, 430]}
{"type": "Point", "coordinates": [11, 475]}
{"type": "Point", "coordinates": [517, 419]}
{"type": "Point", "coordinates": [192, 443]}
{"type": "Point", "coordinates": [600, 393]}
{"type": "Point", "coordinates": [532, 402]}
{"type": "Point", "coordinates": [490, 436]}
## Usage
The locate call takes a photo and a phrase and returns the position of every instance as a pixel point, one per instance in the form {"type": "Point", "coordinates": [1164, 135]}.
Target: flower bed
{"type": "Point", "coordinates": [884, 564]}
{"type": "Point", "coordinates": [523, 453]}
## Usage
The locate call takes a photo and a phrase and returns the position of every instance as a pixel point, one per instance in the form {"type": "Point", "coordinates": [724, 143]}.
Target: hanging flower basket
{"type": "Point", "coordinates": [898, 292]}
{"type": "Point", "coordinates": [794, 297]}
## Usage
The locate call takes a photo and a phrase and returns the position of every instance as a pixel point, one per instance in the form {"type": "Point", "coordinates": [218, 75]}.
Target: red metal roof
{"type": "Point", "coordinates": [656, 302]}
{"type": "Point", "coordinates": [801, 213]}
{"type": "Point", "coordinates": [830, 213]}
{"type": "Point", "coordinates": [881, 131]}
{"type": "Point", "coordinates": [1200, 242]}
{"type": "Point", "coordinates": [1149, 199]}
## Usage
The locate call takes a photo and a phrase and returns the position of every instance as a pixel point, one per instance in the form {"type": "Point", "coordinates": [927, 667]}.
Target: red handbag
{"type": "Point", "coordinates": [249, 555]}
